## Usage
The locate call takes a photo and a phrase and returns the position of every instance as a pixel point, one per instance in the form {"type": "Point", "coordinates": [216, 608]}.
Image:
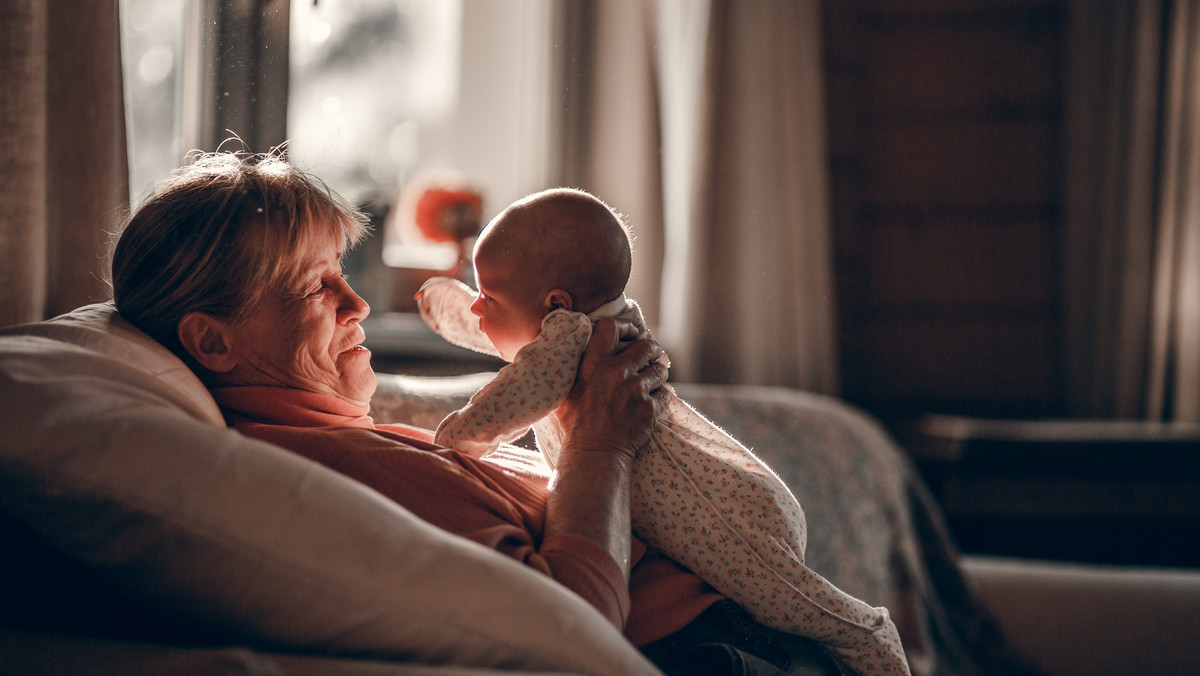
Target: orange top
{"type": "Point", "coordinates": [498, 504]}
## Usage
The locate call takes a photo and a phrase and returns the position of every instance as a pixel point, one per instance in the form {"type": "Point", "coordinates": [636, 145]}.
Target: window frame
{"type": "Point", "coordinates": [235, 73]}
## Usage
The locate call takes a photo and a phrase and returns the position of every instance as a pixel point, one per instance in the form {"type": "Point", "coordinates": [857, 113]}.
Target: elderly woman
{"type": "Point", "coordinates": [234, 265]}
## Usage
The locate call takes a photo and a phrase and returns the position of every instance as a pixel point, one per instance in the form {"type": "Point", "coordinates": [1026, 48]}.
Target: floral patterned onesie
{"type": "Point", "coordinates": [698, 495]}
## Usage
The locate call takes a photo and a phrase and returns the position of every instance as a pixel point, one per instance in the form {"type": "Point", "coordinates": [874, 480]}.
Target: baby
{"type": "Point", "coordinates": [547, 267]}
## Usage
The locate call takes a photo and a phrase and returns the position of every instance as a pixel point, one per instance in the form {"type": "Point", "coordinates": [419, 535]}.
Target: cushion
{"type": "Point", "coordinates": [114, 458]}
{"type": "Point", "coordinates": [1113, 619]}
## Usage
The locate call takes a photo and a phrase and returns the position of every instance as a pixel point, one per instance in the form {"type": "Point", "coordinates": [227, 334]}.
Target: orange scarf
{"type": "Point", "coordinates": [287, 406]}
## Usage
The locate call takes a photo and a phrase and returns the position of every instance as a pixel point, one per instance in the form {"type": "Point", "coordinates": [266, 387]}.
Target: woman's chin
{"type": "Point", "coordinates": [358, 378]}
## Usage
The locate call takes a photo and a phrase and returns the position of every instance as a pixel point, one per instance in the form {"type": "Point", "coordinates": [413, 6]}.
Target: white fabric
{"type": "Point", "coordinates": [113, 453]}
{"type": "Point", "coordinates": [612, 308]}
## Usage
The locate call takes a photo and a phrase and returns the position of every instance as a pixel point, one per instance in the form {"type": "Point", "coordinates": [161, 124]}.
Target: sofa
{"type": "Point", "coordinates": [142, 536]}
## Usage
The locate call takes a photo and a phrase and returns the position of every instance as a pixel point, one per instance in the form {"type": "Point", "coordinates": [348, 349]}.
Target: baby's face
{"type": "Point", "coordinates": [508, 312]}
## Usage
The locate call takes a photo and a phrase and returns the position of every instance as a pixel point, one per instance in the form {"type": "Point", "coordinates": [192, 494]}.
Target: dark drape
{"type": "Point", "coordinates": [63, 172]}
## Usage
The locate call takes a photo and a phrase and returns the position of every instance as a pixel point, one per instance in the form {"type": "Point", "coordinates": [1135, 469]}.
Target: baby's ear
{"type": "Point", "coordinates": [558, 299]}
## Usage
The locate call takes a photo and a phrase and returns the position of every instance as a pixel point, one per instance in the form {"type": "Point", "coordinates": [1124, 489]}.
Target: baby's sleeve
{"type": "Point", "coordinates": [522, 393]}
{"type": "Point", "coordinates": [445, 305]}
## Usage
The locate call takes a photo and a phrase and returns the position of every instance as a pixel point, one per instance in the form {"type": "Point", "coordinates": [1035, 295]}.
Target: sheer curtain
{"type": "Point", "coordinates": [1133, 211]}
{"type": "Point", "coordinates": [63, 176]}
{"type": "Point", "coordinates": [706, 126]}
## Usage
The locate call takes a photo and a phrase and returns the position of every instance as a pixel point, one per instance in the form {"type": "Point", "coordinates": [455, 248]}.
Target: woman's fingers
{"type": "Point", "coordinates": [619, 391]}
{"type": "Point", "coordinates": [626, 330]}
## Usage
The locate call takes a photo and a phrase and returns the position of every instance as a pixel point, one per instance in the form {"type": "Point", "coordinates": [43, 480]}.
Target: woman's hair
{"type": "Point", "coordinates": [217, 235]}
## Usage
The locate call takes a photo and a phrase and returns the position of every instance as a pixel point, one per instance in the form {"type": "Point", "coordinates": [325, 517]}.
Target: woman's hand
{"type": "Point", "coordinates": [608, 416]}
{"type": "Point", "coordinates": [618, 394]}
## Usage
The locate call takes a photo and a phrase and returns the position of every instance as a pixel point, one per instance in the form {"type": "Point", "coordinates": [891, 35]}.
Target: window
{"type": "Point", "coordinates": [152, 40]}
{"type": "Point", "coordinates": [379, 92]}
{"type": "Point", "coordinates": [373, 85]}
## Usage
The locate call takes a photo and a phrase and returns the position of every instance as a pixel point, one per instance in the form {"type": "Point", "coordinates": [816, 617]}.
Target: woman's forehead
{"type": "Point", "coordinates": [321, 251]}
{"type": "Point", "coordinates": [309, 257]}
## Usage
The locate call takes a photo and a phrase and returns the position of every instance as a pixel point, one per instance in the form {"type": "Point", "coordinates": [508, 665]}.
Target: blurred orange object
{"type": "Point", "coordinates": [449, 215]}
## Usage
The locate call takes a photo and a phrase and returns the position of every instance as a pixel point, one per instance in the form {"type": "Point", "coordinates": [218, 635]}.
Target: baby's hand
{"type": "Point", "coordinates": [445, 305]}
{"type": "Point", "coordinates": [449, 284]}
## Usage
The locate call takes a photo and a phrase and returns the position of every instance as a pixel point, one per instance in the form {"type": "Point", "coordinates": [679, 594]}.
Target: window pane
{"type": "Point", "coordinates": [152, 56]}
{"type": "Point", "coordinates": [370, 81]}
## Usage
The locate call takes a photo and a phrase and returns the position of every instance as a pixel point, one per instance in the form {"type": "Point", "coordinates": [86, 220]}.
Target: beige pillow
{"type": "Point", "coordinates": [113, 453]}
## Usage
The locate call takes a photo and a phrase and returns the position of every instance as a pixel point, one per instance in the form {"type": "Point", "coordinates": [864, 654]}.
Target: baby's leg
{"type": "Point", "coordinates": [739, 528]}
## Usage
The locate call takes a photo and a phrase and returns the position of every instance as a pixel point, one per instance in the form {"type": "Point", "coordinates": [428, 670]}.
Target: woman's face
{"type": "Point", "coordinates": [308, 336]}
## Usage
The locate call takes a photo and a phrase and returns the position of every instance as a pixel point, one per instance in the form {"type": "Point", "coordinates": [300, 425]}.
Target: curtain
{"type": "Point", "coordinates": [762, 308]}
{"type": "Point", "coordinates": [1132, 215]}
{"type": "Point", "coordinates": [1174, 383]}
{"type": "Point", "coordinates": [705, 125]}
{"type": "Point", "coordinates": [63, 175]}
{"type": "Point", "coordinates": [610, 138]}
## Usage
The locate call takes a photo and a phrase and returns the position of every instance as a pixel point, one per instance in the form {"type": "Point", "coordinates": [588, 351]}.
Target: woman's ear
{"type": "Point", "coordinates": [204, 337]}
{"type": "Point", "coordinates": [558, 299]}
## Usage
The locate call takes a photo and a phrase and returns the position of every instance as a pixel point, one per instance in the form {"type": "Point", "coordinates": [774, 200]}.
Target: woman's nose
{"type": "Point", "coordinates": [353, 307]}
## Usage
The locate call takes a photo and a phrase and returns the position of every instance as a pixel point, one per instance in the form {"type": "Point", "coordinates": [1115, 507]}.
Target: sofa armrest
{"type": "Point", "coordinates": [1085, 619]}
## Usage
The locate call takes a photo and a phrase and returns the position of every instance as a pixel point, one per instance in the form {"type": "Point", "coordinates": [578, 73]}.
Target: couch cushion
{"type": "Point", "coordinates": [113, 456]}
{"type": "Point", "coordinates": [94, 345]}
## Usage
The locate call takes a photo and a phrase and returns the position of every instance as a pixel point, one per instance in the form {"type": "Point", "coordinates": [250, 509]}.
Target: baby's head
{"type": "Point", "coordinates": [559, 248]}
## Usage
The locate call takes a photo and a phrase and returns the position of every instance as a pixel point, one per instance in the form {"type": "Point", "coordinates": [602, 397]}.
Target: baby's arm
{"type": "Point", "coordinates": [445, 305]}
{"type": "Point", "coordinates": [523, 392]}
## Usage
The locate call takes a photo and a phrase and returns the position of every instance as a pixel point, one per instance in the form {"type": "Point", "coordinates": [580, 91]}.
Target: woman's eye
{"type": "Point", "coordinates": [325, 286]}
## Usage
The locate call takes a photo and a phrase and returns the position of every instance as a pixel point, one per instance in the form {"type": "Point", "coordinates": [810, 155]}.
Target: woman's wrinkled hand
{"type": "Point", "coordinates": [619, 393]}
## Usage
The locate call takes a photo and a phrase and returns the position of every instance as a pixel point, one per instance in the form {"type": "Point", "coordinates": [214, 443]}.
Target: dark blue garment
{"type": "Point", "coordinates": [726, 641]}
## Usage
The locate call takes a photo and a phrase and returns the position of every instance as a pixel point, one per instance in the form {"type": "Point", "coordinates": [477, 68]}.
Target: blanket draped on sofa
{"type": "Point", "coordinates": [874, 529]}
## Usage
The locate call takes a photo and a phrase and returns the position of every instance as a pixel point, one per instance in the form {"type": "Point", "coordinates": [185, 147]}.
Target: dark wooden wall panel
{"type": "Point", "coordinates": [957, 66]}
{"type": "Point", "coordinates": [986, 365]}
{"type": "Point", "coordinates": [961, 164]}
{"type": "Point", "coordinates": [946, 144]}
{"type": "Point", "coordinates": [981, 253]}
